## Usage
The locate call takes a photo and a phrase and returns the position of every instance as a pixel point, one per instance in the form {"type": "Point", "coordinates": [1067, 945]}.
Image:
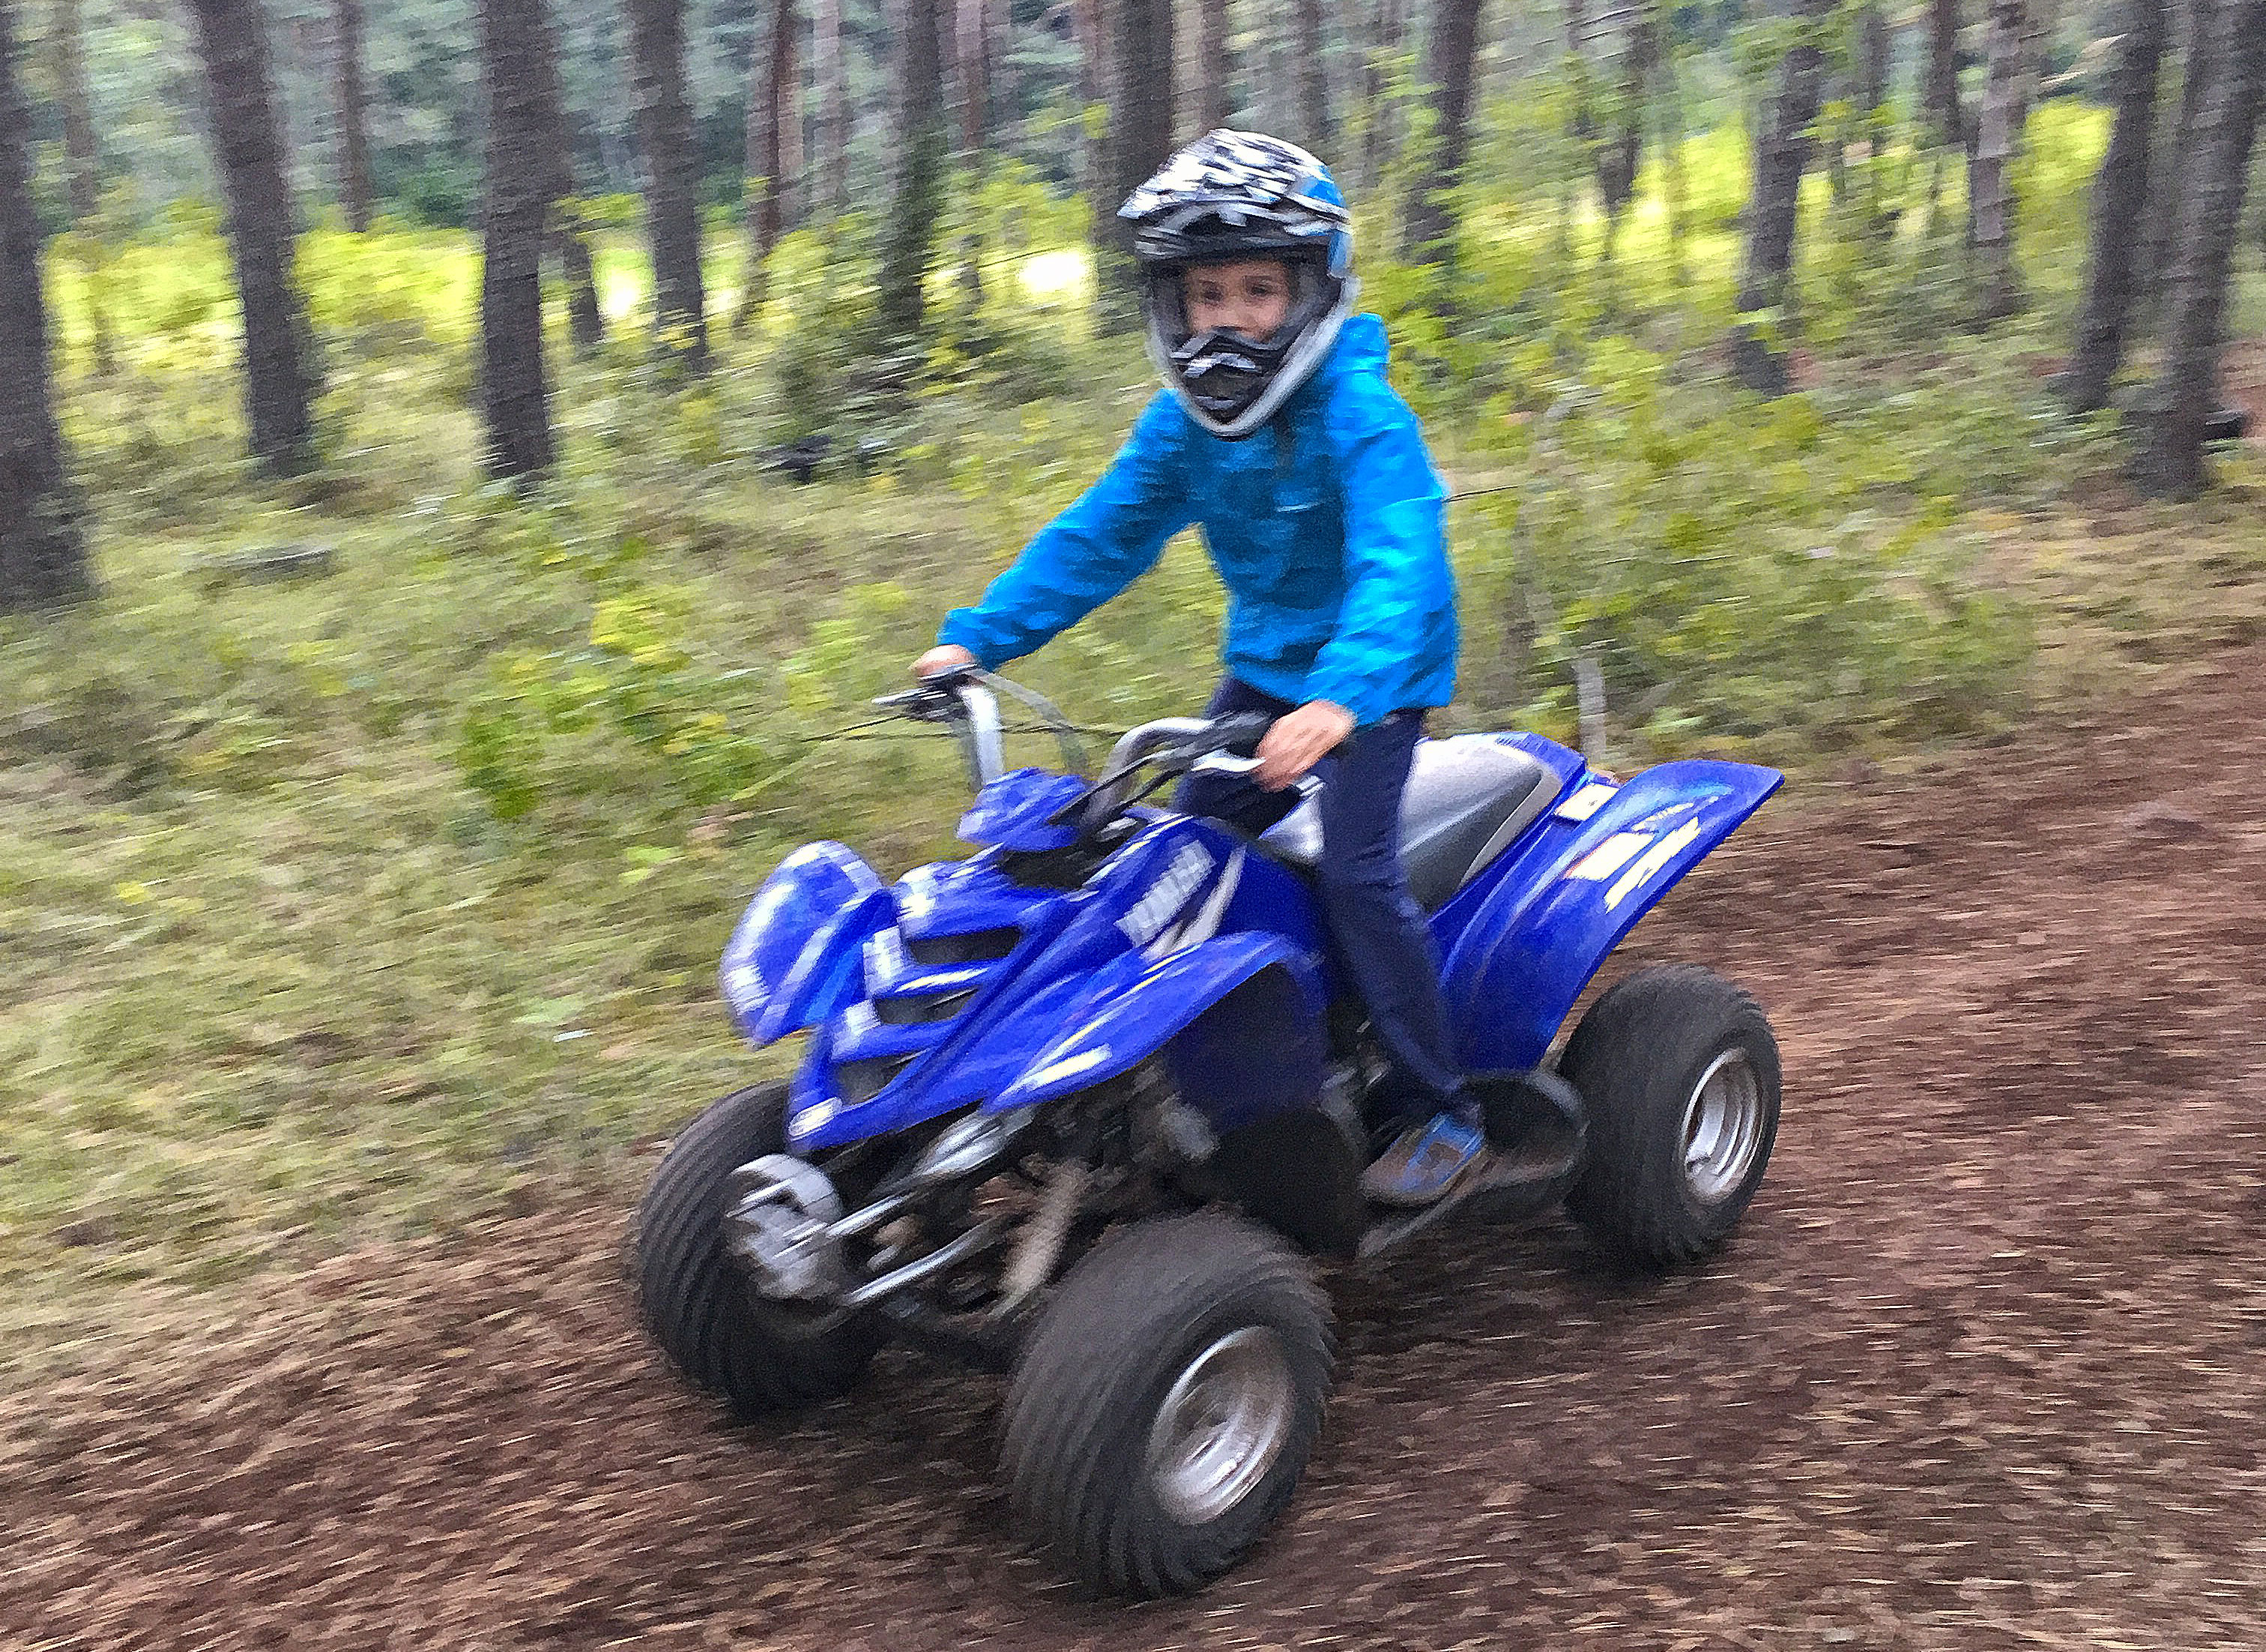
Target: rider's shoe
{"type": "Point", "coordinates": [1427, 1162]}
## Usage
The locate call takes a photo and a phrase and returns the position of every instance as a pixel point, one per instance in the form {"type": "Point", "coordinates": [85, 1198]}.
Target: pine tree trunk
{"type": "Point", "coordinates": [277, 349]}
{"type": "Point", "coordinates": [1390, 27]}
{"type": "Point", "coordinates": [1618, 158]}
{"type": "Point", "coordinates": [83, 173]}
{"type": "Point", "coordinates": [2172, 151]}
{"type": "Point", "coordinates": [1783, 142]}
{"type": "Point", "coordinates": [664, 122]}
{"type": "Point", "coordinates": [974, 21]}
{"type": "Point", "coordinates": [563, 232]}
{"type": "Point", "coordinates": [1310, 51]}
{"type": "Point", "coordinates": [1140, 134]}
{"type": "Point", "coordinates": [1672, 179]}
{"type": "Point", "coordinates": [771, 69]}
{"type": "Point", "coordinates": [1947, 120]}
{"type": "Point", "coordinates": [923, 147]}
{"type": "Point", "coordinates": [1876, 53]}
{"type": "Point", "coordinates": [514, 386]}
{"type": "Point", "coordinates": [793, 184]}
{"type": "Point", "coordinates": [833, 108]}
{"type": "Point", "coordinates": [1089, 22]}
{"type": "Point", "coordinates": [1429, 226]}
{"type": "Point", "coordinates": [82, 168]}
{"type": "Point", "coordinates": [42, 551]}
{"type": "Point", "coordinates": [586, 322]}
{"type": "Point", "coordinates": [1214, 67]}
{"type": "Point", "coordinates": [2119, 201]}
{"type": "Point", "coordinates": [353, 115]}
{"type": "Point", "coordinates": [2234, 64]}
{"type": "Point", "coordinates": [1998, 142]}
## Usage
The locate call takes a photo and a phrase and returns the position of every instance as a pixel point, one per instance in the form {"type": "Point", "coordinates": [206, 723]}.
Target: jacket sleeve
{"type": "Point", "coordinates": [1400, 596]}
{"type": "Point", "coordinates": [1102, 542]}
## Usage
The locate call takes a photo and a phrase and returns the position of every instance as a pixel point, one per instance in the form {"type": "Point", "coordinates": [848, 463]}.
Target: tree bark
{"type": "Point", "coordinates": [564, 234]}
{"type": "Point", "coordinates": [833, 108]}
{"type": "Point", "coordinates": [1947, 120]}
{"type": "Point", "coordinates": [353, 115]}
{"type": "Point", "coordinates": [42, 551]}
{"type": "Point", "coordinates": [1672, 179]}
{"type": "Point", "coordinates": [1876, 53]}
{"type": "Point", "coordinates": [973, 20]}
{"type": "Point", "coordinates": [2234, 63]}
{"type": "Point", "coordinates": [793, 183]}
{"type": "Point", "coordinates": [515, 387]}
{"type": "Point", "coordinates": [1089, 22]}
{"type": "Point", "coordinates": [1390, 25]}
{"type": "Point", "coordinates": [664, 122]}
{"type": "Point", "coordinates": [1429, 227]}
{"type": "Point", "coordinates": [1783, 142]}
{"type": "Point", "coordinates": [2173, 149]}
{"type": "Point", "coordinates": [1309, 49]}
{"type": "Point", "coordinates": [1618, 158]}
{"type": "Point", "coordinates": [1214, 66]}
{"type": "Point", "coordinates": [82, 167]}
{"type": "Point", "coordinates": [278, 376]}
{"type": "Point", "coordinates": [84, 175]}
{"type": "Point", "coordinates": [1998, 142]}
{"type": "Point", "coordinates": [770, 72]}
{"type": "Point", "coordinates": [923, 146]}
{"type": "Point", "coordinates": [1140, 133]}
{"type": "Point", "coordinates": [2119, 201]}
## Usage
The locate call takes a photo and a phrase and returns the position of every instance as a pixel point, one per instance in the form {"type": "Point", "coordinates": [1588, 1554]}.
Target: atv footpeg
{"type": "Point", "coordinates": [1537, 1130]}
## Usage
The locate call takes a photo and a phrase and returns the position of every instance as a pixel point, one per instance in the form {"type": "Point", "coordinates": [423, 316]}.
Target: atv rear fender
{"type": "Point", "coordinates": [796, 945]}
{"type": "Point", "coordinates": [1518, 962]}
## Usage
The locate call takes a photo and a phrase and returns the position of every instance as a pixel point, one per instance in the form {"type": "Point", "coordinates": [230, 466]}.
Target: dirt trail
{"type": "Point", "coordinates": [1985, 1368]}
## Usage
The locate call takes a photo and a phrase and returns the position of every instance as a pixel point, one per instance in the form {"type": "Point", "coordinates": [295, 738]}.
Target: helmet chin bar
{"type": "Point", "coordinates": [1231, 383]}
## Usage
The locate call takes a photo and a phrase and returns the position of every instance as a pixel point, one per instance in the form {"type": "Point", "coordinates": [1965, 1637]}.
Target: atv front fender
{"type": "Point", "coordinates": [1525, 956]}
{"type": "Point", "coordinates": [1237, 1017]}
{"type": "Point", "coordinates": [795, 945]}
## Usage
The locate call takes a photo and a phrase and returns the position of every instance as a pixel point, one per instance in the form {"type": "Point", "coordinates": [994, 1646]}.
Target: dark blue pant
{"type": "Point", "coordinates": [1384, 945]}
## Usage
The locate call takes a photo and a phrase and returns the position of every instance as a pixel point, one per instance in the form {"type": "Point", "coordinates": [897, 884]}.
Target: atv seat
{"type": "Point", "coordinates": [1468, 800]}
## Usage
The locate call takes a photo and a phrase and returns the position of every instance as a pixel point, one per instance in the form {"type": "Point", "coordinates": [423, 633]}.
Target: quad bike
{"type": "Point", "coordinates": [1084, 1106]}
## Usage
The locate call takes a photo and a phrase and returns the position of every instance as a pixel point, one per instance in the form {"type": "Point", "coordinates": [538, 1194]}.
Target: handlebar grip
{"type": "Point", "coordinates": [1238, 734]}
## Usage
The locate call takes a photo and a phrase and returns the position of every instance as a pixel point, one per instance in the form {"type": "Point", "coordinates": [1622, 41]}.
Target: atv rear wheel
{"type": "Point", "coordinates": [1167, 1403]}
{"type": "Point", "coordinates": [760, 1356]}
{"type": "Point", "coordinates": [1681, 1075]}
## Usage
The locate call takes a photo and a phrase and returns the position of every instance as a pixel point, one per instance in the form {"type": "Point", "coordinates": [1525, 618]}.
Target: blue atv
{"type": "Point", "coordinates": [1083, 1106]}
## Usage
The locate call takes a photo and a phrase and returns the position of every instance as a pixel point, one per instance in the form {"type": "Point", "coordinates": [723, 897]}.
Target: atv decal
{"type": "Point", "coordinates": [1609, 857]}
{"type": "Point", "coordinates": [1204, 922]}
{"type": "Point", "coordinates": [1650, 862]}
{"type": "Point", "coordinates": [1174, 889]}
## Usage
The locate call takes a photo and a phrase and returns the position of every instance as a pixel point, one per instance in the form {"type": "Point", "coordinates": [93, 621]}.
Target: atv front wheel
{"type": "Point", "coordinates": [1681, 1076]}
{"type": "Point", "coordinates": [760, 1356]}
{"type": "Point", "coordinates": [1166, 1406]}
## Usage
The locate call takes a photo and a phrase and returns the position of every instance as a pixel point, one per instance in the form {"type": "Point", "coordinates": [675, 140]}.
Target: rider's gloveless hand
{"type": "Point", "coordinates": [944, 656]}
{"type": "Point", "coordinates": [1298, 741]}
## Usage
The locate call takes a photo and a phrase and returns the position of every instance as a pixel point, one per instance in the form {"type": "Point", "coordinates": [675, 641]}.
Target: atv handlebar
{"type": "Point", "coordinates": [966, 699]}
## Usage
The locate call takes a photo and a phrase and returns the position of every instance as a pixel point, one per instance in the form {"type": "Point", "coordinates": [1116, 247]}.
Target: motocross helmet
{"type": "Point", "coordinates": [1228, 196]}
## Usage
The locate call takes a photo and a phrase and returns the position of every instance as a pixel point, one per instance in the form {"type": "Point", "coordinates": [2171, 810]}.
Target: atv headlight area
{"type": "Point", "coordinates": [970, 1145]}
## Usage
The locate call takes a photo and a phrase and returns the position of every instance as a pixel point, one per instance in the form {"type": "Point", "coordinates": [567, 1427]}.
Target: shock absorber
{"type": "Point", "coordinates": [1039, 1246]}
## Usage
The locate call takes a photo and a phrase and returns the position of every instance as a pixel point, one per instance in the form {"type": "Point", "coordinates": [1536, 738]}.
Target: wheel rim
{"type": "Point", "coordinates": [1723, 1127]}
{"type": "Point", "coordinates": [1222, 1426]}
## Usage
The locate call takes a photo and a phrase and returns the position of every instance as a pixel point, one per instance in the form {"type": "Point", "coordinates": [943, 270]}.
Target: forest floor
{"type": "Point", "coordinates": [1983, 1369]}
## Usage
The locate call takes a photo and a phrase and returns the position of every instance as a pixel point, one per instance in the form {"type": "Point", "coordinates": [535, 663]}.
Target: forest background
{"type": "Point", "coordinates": [455, 499]}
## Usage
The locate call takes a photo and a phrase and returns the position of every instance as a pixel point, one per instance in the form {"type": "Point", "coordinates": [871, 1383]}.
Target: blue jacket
{"type": "Point", "coordinates": [1325, 528]}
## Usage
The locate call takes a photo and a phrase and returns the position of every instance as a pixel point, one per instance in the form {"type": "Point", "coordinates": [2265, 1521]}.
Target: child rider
{"type": "Point", "coordinates": [1321, 511]}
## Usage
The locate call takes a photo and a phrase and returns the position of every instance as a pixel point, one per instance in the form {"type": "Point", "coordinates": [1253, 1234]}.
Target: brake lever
{"type": "Point", "coordinates": [930, 703]}
{"type": "Point", "coordinates": [1241, 768]}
